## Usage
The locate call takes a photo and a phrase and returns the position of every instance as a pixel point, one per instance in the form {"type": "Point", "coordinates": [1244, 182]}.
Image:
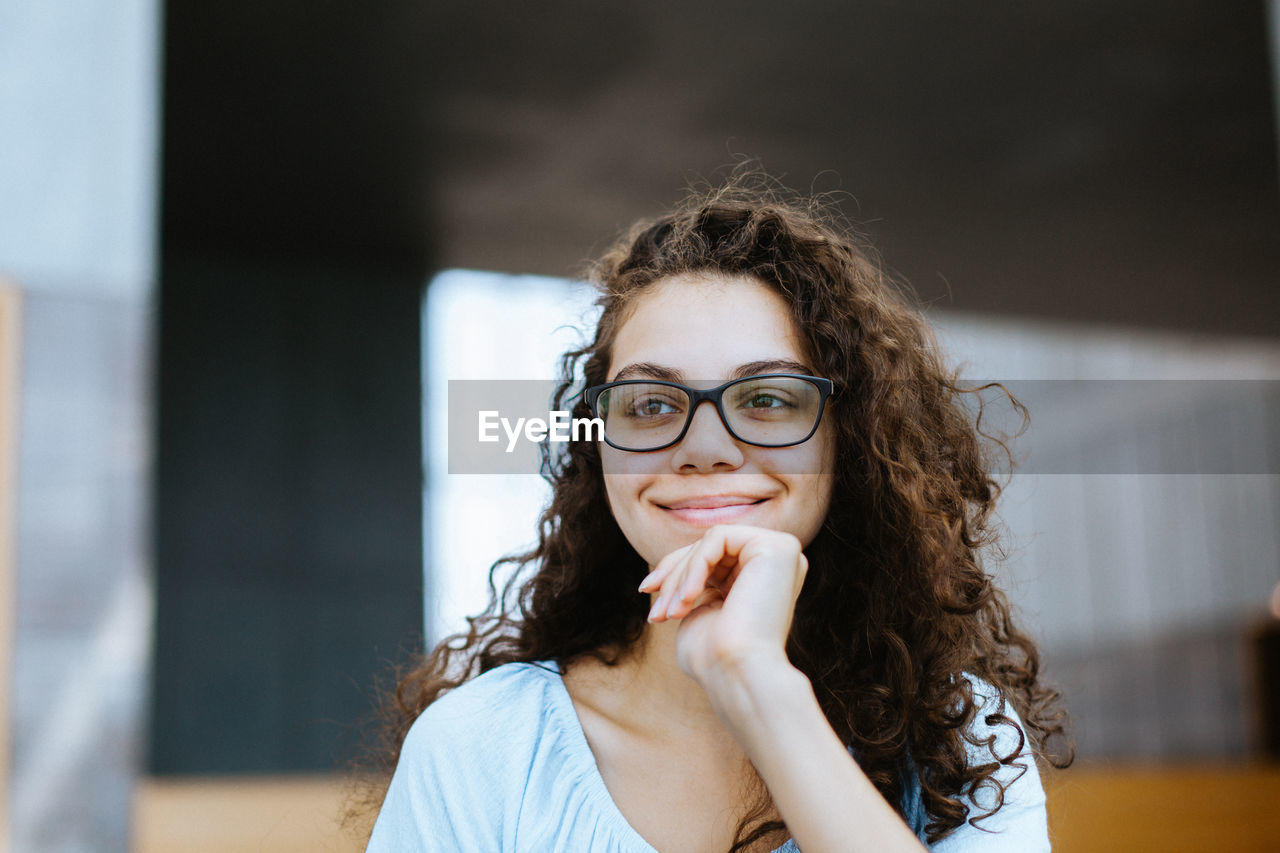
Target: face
{"type": "Point", "coordinates": [703, 331]}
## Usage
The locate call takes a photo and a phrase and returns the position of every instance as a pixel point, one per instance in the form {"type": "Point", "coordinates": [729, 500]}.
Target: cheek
{"type": "Point", "coordinates": [618, 493]}
{"type": "Point", "coordinates": [825, 487]}
{"type": "Point", "coordinates": [622, 482]}
{"type": "Point", "coordinates": [626, 476]}
{"type": "Point", "coordinates": [821, 484]}
{"type": "Point", "coordinates": [616, 462]}
{"type": "Point", "coordinates": [815, 506]}
{"type": "Point", "coordinates": [626, 504]}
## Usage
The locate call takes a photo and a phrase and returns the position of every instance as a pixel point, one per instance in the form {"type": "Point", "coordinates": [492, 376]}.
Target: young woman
{"type": "Point", "coordinates": [757, 618]}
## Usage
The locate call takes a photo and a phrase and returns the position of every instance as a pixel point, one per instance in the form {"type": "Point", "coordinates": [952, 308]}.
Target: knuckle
{"type": "Point", "coordinates": [785, 540]}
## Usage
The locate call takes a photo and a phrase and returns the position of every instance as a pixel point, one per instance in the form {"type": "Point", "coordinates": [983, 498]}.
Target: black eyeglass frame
{"type": "Point", "coordinates": [825, 387]}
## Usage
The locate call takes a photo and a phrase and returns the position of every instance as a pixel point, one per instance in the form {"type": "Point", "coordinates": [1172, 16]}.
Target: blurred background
{"type": "Point", "coordinates": [244, 246]}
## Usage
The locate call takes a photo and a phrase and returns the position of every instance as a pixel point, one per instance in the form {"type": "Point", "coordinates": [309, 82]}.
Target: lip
{"type": "Point", "coordinates": [708, 510]}
{"type": "Point", "coordinates": [711, 501]}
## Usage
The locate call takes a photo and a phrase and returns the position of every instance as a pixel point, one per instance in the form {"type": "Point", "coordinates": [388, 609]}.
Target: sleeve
{"type": "Point", "coordinates": [1021, 824]}
{"type": "Point", "coordinates": [446, 795]}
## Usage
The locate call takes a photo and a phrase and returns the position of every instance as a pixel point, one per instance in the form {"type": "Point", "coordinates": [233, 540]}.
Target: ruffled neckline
{"type": "Point", "coordinates": [584, 765]}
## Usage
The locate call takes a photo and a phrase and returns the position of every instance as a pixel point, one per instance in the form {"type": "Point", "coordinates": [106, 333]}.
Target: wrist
{"type": "Point", "coordinates": [750, 686]}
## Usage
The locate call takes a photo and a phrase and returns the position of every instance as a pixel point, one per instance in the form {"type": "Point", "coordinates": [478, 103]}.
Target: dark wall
{"type": "Point", "coordinates": [1107, 162]}
{"type": "Point", "coordinates": [288, 500]}
{"type": "Point", "coordinates": [1103, 162]}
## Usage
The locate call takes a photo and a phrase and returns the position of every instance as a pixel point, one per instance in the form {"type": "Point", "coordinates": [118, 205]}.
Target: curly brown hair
{"type": "Point", "coordinates": [896, 608]}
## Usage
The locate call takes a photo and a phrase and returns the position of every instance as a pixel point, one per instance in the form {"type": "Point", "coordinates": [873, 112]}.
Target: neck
{"type": "Point", "coordinates": [660, 693]}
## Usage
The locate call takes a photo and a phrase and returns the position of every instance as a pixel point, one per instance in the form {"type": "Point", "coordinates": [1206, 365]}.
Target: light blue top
{"type": "Point", "coordinates": [501, 764]}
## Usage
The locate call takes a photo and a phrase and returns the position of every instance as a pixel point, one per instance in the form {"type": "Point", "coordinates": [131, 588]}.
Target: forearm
{"type": "Point", "coordinates": [826, 800]}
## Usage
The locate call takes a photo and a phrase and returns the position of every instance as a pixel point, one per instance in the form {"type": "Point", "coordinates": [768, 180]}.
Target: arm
{"type": "Point", "coordinates": [824, 797]}
{"type": "Point", "coordinates": [826, 800]}
{"type": "Point", "coordinates": [735, 592]}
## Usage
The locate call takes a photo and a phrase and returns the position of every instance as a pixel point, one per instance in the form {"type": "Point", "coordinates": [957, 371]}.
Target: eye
{"type": "Point", "coordinates": [764, 400]}
{"type": "Point", "coordinates": [763, 396]}
{"type": "Point", "coordinates": [649, 406]}
{"type": "Point", "coordinates": [645, 402]}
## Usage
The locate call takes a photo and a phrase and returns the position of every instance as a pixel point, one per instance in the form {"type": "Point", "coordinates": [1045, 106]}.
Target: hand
{"type": "Point", "coordinates": [735, 590]}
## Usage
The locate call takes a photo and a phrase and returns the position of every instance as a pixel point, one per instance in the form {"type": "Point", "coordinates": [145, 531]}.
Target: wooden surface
{"type": "Point", "coordinates": [1170, 809]}
{"type": "Point", "coordinates": [290, 814]}
{"type": "Point", "coordinates": [10, 361]}
{"type": "Point", "coordinates": [1092, 809]}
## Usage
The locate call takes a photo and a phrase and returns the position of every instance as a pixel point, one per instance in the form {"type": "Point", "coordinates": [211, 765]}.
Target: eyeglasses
{"type": "Point", "coordinates": [770, 410]}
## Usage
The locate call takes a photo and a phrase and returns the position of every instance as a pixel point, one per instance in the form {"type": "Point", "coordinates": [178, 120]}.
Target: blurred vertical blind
{"type": "Point", "coordinates": [1142, 584]}
{"type": "Point", "coordinates": [10, 356]}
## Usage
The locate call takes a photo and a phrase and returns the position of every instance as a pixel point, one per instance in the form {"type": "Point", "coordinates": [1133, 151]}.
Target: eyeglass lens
{"type": "Point", "coordinates": [769, 411]}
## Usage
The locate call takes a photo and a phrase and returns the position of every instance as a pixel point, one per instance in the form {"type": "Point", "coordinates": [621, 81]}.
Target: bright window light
{"type": "Point", "coordinates": [484, 325]}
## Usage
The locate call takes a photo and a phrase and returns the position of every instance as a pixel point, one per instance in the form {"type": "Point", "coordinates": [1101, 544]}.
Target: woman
{"type": "Point", "coordinates": [758, 618]}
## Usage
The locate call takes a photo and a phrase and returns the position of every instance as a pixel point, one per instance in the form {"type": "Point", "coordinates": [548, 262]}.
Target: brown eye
{"type": "Point", "coordinates": [764, 401]}
{"type": "Point", "coordinates": [652, 407]}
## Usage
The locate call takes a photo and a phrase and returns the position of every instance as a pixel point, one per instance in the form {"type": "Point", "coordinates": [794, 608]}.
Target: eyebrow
{"type": "Point", "coordinates": [649, 370]}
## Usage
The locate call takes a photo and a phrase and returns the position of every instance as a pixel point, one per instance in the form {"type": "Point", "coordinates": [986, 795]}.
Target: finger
{"type": "Point", "coordinates": [676, 598]}
{"type": "Point", "coordinates": [668, 603]}
{"type": "Point", "coordinates": [722, 557]}
{"type": "Point", "coordinates": [654, 579]}
{"type": "Point", "coordinates": [717, 562]}
{"type": "Point", "coordinates": [704, 561]}
{"type": "Point", "coordinates": [673, 588]}
{"type": "Point", "coordinates": [673, 575]}
{"type": "Point", "coordinates": [710, 598]}
{"type": "Point", "coordinates": [724, 572]}
{"type": "Point", "coordinates": [744, 543]}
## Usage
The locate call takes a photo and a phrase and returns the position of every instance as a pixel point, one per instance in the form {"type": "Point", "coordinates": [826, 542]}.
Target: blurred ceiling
{"type": "Point", "coordinates": [1109, 162]}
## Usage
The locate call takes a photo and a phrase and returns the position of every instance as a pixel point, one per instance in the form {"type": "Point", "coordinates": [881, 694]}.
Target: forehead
{"type": "Point", "coordinates": [705, 326]}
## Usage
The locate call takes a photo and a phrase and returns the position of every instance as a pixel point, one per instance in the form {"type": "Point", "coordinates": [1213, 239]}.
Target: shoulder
{"type": "Point", "coordinates": [498, 690]}
{"type": "Point", "coordinates": [996, 736]}
{"type": "Point", "coordinates": [996, 732]}
{"type": "Point", "coordinates": [487, 716]}
{"type": "Point", "coordinates": [459, 782]}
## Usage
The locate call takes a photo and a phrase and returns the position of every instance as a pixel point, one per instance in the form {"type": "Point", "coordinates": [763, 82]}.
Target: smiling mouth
{"type": "Point", "coordinates": [705, 512]}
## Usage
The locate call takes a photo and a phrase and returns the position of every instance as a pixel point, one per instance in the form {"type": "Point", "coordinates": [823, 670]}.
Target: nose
{"type": "Point", "coordinates": [707, 445]}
